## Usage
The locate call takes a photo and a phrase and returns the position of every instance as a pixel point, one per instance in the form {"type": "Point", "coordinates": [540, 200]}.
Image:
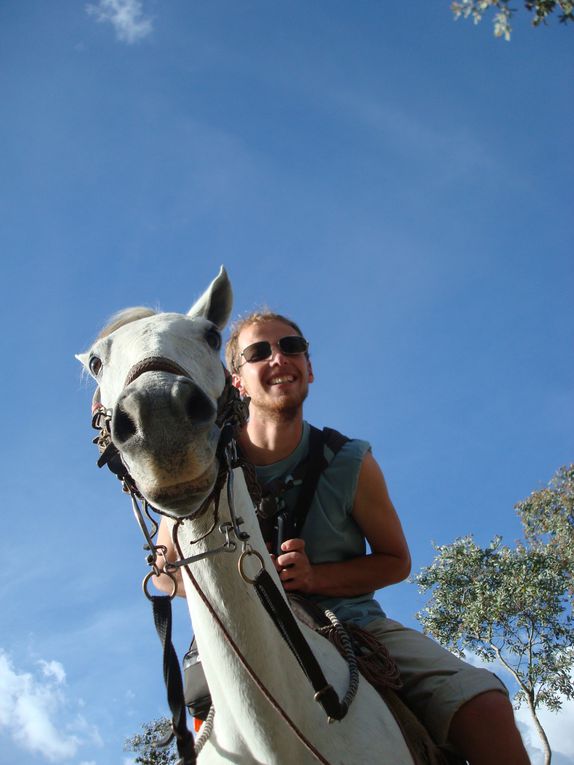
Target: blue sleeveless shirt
{"type": "Point", "coordinates": [330, 532]}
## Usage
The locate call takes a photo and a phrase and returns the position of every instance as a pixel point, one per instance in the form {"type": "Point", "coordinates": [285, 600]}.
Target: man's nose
{"type": "Point", "coordinates": [277, 355]}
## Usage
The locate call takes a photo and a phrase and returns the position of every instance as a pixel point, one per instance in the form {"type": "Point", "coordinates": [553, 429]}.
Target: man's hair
{"type": "Point", "coordinates": [256, 317]}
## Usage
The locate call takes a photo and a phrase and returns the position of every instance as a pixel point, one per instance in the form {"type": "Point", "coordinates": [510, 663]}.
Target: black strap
{"type": "Point", "coordinates": [172, 676]}
{"type": "Point", "coordinates": [334, 440]}
{"type": "Point", "coordinates": [315, 465]}
{"type": "Point", "coordinates": [283, 618]}
{"type": "Point", "coordinates": [278, 526]}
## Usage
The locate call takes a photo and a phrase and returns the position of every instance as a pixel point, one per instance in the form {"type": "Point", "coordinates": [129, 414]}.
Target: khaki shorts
{"type": "Point", "coordinates": [435, 682]}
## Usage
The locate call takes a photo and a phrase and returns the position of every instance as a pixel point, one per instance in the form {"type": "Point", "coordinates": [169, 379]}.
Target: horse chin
{"type": "Point", "coordinates": [183, 498]}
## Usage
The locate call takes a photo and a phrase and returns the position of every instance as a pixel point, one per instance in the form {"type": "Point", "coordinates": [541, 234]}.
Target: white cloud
{"type": "Point", "coordinates": [126, 17]}
{"type": "Point", "coordinates": [54, 670]}
{"type": "Point", "coordinates": [33, 709]}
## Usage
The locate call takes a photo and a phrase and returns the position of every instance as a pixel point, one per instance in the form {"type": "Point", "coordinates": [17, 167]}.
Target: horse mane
{"type": "Point", "coordinates": [125, 316]}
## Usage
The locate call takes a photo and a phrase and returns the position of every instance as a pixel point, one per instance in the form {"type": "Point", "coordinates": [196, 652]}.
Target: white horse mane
{"type": "Point", "coordinates": [125, 316]}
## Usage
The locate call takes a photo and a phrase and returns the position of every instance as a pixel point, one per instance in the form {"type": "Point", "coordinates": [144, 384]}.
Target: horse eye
{"type": "Point", "coordinates": [213, 339]}
{"type": "Point", "coordinates": [95, 365]}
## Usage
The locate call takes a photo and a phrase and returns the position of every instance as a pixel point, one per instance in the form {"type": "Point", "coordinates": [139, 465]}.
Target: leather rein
{"type": "Point", "coordinates": [232, 413]}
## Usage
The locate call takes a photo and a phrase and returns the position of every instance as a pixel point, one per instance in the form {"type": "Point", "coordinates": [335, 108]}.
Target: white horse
{"type": "Point", "coordinates": [160, 379]}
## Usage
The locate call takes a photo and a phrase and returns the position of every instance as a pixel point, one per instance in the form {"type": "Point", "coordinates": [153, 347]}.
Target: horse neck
{"type": "Point", "coordinates": [236, 639]}
{"type": "Point", "coordinates": [215, 589]}
{"type": "Point", "coordinates": [259, 692]}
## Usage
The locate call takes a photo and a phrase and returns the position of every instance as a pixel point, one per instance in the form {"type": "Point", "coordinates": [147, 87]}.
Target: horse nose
{"type": "Point", "coordinates": [189, 401]}
{"type": "Point", "coordinates": [143, 410]}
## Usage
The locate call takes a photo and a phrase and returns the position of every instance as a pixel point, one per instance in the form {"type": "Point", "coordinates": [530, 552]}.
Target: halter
{"type": "Point", "coordinates": [232, 413]}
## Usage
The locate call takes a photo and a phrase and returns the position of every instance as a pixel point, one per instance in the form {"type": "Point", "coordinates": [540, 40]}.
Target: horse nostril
{"type": "Point", "coordinates": [192, 401]}
{"type": "Point", "coordinates": [123, 426]}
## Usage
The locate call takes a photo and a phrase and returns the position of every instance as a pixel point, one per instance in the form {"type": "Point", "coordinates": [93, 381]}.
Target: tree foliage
{"type": "Point", "coordinates": [145, 744]}
{"type": "Point", "coordinates": [541, 10]}
{"type": "Point", "coordinates": [547, 517]}
{"type": "Point", "coordinates": [513, 605]}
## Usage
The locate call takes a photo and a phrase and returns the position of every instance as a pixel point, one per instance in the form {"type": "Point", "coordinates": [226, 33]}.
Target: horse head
{"type": "Point", "coordinates": [160, 379]}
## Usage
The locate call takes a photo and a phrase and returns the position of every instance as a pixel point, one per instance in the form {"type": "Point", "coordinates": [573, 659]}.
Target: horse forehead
{"type": "Point", "coordinates": [170, 336]}
{"type": "Point", "coordinates": [164, 329]}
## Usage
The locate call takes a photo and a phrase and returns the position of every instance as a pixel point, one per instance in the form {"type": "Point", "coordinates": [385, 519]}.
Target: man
{"type": "Point", "coordinates": [463, 707]}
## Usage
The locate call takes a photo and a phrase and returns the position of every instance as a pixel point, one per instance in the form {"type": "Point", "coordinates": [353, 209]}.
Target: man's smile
{"type": "Point", "coordinates": [281, 379]}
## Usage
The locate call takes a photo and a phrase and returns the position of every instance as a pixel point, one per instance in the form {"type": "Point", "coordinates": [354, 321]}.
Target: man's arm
{"type": "Point", "coordinates": [388, 563]}
{"type": "Point", "coordinates": [163, 582]}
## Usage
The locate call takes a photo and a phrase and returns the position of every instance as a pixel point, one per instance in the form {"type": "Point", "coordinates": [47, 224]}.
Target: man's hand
{"type": "Point", "coordinates": [295, 570]}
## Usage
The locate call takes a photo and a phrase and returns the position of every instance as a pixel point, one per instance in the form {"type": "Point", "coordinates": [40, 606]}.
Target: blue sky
{"type": "Point", "coordinates": [399, 183]}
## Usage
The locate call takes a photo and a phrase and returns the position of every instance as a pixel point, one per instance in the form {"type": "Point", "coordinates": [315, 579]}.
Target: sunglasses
{"type": "Point", "coordinates": [292, 345]}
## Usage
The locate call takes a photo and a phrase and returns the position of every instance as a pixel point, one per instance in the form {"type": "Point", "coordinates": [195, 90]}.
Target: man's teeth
{"type": "Point", "coordinates": [281, 380]}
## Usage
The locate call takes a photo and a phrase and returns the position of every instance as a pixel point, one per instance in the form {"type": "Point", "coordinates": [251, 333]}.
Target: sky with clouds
{"type": "Point", "coordinates": [399, 183]}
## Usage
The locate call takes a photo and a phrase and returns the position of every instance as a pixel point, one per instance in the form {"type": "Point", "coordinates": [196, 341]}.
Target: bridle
{"type": "Point", "coordinates": [232, 413]}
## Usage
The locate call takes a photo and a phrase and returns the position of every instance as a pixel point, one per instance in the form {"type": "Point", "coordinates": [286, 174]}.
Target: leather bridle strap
{"type": "Point", "coordinates": [243, 661]}
{"type": "Point", "coordinates": [172, 675]}
{"type": "Point", "coordinates": [277, 608]}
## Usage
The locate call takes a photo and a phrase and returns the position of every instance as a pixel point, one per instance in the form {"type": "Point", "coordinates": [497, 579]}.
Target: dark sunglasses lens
{"type": "Point", "coordinates": [257, 351]}
{"type": "Point", "coordinates": [293, 345]}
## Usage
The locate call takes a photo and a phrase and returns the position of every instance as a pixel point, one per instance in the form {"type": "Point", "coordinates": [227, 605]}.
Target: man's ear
{"type": "Point", "coordinates": [237, 382]}
{"type": "Point", "coordinates": [310, 368]}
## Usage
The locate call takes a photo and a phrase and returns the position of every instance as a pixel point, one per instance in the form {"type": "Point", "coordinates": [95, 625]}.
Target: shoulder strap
{"type": "Point", "coordinates": [319, 458]}
{"type": "Point", "coordinates": [334, 440]}
{"type": "Point", "coordinates": [315, 464]}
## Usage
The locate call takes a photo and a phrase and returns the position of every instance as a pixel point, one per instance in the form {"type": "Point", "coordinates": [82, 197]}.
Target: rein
{"type": "Point", "coordinates": [232, 414]}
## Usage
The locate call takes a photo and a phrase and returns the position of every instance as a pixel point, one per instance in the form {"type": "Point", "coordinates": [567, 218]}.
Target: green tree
{"type": "Point", "coordinates": [547, 517]}
{"type": "Point", "coordinates": [145, 744]}
{"type": "Point", "coordinates": [541, 10]}
{"type": "Point", "coordinates": [509, 605]}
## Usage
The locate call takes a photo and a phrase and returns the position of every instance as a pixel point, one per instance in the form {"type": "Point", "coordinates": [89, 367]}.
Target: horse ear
{"type": "Point", "coordinates": [83, 358]}
{"type": "Point", "coordinates": [216, 302]}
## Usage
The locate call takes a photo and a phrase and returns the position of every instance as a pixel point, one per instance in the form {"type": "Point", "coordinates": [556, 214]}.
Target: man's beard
{"type": "Point", "coordinates": [284, 409]}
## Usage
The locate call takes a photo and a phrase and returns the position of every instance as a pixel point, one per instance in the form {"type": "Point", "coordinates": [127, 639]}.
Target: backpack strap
{"type": "Point", "coordinates": [334, 441]}
{"type": "Point", "coordinates": [280, 525]}
{"type": "Point", "coordinates": [323, 446]}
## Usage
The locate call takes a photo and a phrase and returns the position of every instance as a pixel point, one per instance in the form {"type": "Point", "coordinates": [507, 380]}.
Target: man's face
{"type": "Point", "coordinates": [277, 385]}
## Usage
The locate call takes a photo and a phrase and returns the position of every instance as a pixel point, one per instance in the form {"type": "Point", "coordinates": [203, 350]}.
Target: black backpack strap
{"type": "Point", "coordinates": [334, 441]}
{"type": "Point", "coordinates": [323, 446]}
{"type": "Point", "coordinates": [278, 526]}
{"type": "Point", "coordinates": [316, 463]}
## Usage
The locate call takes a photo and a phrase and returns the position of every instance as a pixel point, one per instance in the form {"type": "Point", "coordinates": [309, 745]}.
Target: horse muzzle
{"type": "Point", "coordinates": [163, 425]}
{"type": "Point", "coordinates": [156, 401]}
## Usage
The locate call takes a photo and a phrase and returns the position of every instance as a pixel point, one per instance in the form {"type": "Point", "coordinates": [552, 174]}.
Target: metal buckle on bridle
{"type": "Point", "coordinates": [229, 545]}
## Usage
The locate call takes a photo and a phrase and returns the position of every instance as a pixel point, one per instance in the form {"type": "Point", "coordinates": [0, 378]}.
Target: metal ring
{"type": "Point", "coordinates": [246, 554]}
{"type": "Point", "coordinates": [149, 575]}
